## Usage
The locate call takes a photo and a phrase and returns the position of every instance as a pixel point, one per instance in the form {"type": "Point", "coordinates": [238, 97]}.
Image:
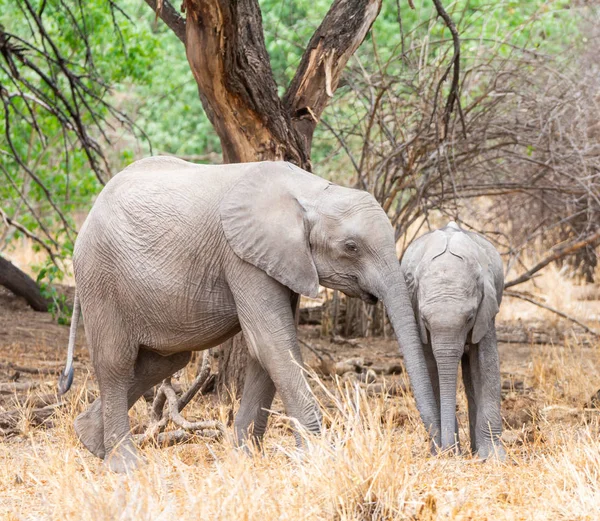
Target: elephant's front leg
{"type": "Point", "coordinates": [435, 384]}
{"type": "Point", "coordinates": [267, 321]}
{"type": "Point", "coordinates": [471, 400]}
{"type": "Point", "coordinates": [485, 375]}
{"type": "Point", "coordinates": [251, 419]}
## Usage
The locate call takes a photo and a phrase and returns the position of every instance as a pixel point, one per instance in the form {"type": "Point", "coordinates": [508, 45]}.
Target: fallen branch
{"type": "Point", "coordinates": [514, 294]}
{"type": "Point", "coordinates": [162, 415]}
{"type": "Point", "coordinates": [340, 340]}
{"type": "Point", "coordinates": [17, 387]}
{"type": "Point", "coordinates": [30, 370]}
{"type": "Point", "coordinates": [11, 419]}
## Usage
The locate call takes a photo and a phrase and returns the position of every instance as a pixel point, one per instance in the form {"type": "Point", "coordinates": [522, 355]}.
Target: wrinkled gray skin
{"type": "Point", "coordinates": [455, 280]}
{"type": "Point", "coordinates": [176, 257]}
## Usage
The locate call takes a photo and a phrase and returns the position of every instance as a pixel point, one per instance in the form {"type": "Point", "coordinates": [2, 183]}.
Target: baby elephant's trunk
{"type": "Point", "coordinates": [447, 355]}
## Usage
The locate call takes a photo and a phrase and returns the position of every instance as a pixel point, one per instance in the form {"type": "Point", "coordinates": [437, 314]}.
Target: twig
{"type": "Point", "coordinates": [514, 294]}
{"type": "Point", "coordinates": [314, 350]}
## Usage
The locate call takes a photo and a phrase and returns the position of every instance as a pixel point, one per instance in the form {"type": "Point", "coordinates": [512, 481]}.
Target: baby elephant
{"type": "Point", "coordinates": [455, 281]}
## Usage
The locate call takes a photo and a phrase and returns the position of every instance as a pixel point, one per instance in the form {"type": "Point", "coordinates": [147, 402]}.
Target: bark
{"type": "Point", "coordinates": [226, 51]}
{"type": "Point", "coordinates": [233, 357]}
{"type": "Point", "coordinates": [22, 285]}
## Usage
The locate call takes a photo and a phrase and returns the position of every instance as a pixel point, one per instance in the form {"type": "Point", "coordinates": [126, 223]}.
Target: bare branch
{"type": "Point", "coordinates": [453, 95]}
{"type": "Point", "coordinates": [561, 252]}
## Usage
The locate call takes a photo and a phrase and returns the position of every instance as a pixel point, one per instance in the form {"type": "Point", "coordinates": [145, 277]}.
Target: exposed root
{"type": "Point", "coordinates": [162, 415]}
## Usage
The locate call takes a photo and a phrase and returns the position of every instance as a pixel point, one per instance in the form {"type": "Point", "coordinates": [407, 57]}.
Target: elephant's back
{"type": "Point", "coordinates": [158, 215]}
{"type": "Point", "coordinates": [155, 179]}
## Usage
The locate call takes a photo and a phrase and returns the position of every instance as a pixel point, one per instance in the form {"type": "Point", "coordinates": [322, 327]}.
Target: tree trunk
{"type": "Point", "coordinates": [226, 51]}
{"type": "Point", "coordinates": [22, 285]}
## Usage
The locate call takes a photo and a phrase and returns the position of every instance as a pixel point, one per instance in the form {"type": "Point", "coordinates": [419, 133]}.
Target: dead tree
{"type": "Point", "coordinates": [21, 284]}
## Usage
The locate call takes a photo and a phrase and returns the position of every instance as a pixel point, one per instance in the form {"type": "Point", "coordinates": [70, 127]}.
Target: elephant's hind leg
{"type": "Point", "coordinates": [149, 370]}
{"type": "Point", "coordinates": [114, 363]}
{"type": "Point", "coordinates": [89, 428]}
{"type": "Point", "coordinates": [259, 390]}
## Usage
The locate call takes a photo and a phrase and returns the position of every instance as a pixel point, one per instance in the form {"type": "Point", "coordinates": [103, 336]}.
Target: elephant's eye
{"type": "Point", "coordinates": [351, 246]}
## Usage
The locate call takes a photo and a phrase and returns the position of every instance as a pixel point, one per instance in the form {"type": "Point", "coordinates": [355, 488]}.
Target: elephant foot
{"type": "Point", "coordinates": [89, 428]}
{"type": "Point", "coordinates": [449, 450]}
{"type": "Point", "coordinates": [123, 459]}
{"type": "Point", "coordinates": [492, 452]}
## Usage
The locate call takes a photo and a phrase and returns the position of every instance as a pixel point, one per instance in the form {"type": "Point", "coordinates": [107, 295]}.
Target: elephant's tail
{"type": "Point", "coordinates": [66, 377]}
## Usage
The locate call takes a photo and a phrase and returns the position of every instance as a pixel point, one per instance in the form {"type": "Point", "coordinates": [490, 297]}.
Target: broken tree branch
{"type": "Point", "coordinates": [226, 51]}
{"type": "Point", "coordinates": [559, 253]}
{"type": "Point", "coordinates": [342, 31]}
{"type": "Point", "coordinates": [167, 13]}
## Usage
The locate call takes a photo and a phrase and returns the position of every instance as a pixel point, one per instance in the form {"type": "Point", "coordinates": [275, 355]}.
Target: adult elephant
{"type": "Point", "coordinates": [176, 257]}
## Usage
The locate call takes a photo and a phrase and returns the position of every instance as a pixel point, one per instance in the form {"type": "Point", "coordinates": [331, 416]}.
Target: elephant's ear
{"type": "Point", "coordinates": [267, 226]}
{"type": "Point", "coordinates": [489, 303]}
{"type": "Point", "coordinates": [412, 287]}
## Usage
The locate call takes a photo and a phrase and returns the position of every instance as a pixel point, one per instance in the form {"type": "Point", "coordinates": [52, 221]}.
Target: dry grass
{"type": "Point", "coordinates": [370, 463]}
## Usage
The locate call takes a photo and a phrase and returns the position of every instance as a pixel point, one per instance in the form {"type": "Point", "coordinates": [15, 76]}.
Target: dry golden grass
{"type": "Point", "coordinates": [370, 463]}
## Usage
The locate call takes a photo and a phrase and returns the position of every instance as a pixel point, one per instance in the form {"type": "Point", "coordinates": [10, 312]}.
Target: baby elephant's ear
{"type": "Point", "coordinates": [411, 286]}
{"type": "Point", "coordinates": [266, 225]}
{"type": "Point", "coordinates": [488, 308]}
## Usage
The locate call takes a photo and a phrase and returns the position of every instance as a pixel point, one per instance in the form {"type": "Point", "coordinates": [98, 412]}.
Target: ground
{"type": "Point", "coordinates": [372, 462]}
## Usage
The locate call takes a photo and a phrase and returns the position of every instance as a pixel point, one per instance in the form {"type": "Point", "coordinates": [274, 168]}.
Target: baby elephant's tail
{"type": "Point", "coordinates": [66, 377]}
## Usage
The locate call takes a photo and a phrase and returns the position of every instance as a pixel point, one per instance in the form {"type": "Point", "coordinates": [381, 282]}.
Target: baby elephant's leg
{"type": "Point", "coordinates": [485, 374]}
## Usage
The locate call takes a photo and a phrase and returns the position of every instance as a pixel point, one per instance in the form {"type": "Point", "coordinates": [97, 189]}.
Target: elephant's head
{"type": "Point", "coordinates": [304, 231]}
{"type": "Point", "coordinates": [455, 302]}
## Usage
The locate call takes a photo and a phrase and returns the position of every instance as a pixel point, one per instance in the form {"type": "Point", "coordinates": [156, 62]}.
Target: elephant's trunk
{"type": "Point", "coordinates": [394, 295]}
{"type": "Point", "coordinates": [447, 356]}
